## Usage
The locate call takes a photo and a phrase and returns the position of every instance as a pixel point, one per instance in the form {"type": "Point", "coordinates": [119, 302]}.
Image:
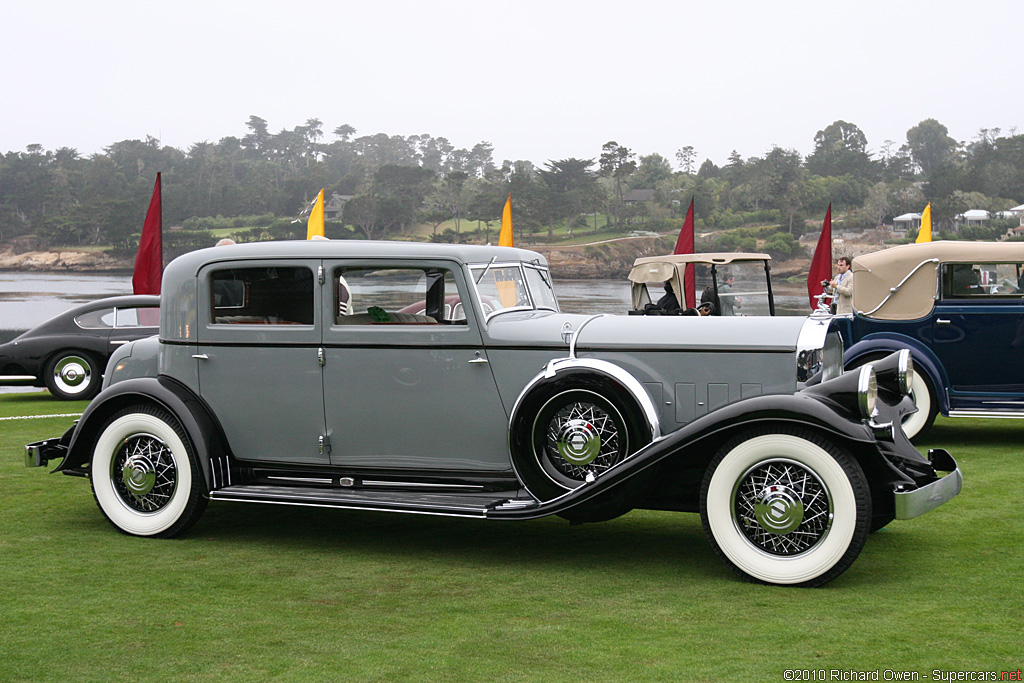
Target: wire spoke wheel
{"type": "Point", "coordinates": [145, 476]}
{"type": "Point", "coordinates": [786, 506]}
{"type": "Point", "coordinates": [782, 507]}
{"type": "Point", "coordinates": [582, 439]}
{"type": "Point", "coordinates": [143, 473]}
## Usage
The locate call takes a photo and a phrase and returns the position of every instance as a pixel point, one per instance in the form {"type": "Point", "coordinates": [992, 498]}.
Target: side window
{"type": "Point", "coordinates": [262, 296]}
{"type": "Point", "coordinates": [96, 320]}
{"type": "Point", "coordinates": [138, 317]}
{"type": "Point", "coordinates": [982, 280]}
{"type": "Point", "coordinates": [396, 296]}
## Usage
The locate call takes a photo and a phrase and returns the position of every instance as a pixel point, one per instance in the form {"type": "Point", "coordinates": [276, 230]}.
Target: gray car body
{"type": "Point", "coordinates": [687, 367]}
{"type": "Point", "coordinates": [490, 403]}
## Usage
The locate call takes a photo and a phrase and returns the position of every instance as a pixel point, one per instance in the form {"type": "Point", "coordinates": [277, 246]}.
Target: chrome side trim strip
{"type": "Point", "coordinates": [1002, 414]}
{"type": "Point", "coordinates": [450, 512]}
{"type": "Point", "coordinates": [416, 484]}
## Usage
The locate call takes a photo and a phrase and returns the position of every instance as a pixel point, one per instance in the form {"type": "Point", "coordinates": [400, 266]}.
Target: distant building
{"type": "Point", "coordinates": [973, 218]}
{"type": "Point", "coordinates": [638, 196]}
{"type": "Point", "coordinates": [335, 205]}
{"type": "Point", "coordinates": [906, 222]}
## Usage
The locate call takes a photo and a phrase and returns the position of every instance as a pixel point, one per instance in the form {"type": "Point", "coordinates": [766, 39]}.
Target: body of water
{"type": "Point", "coordinates": [28, 299]}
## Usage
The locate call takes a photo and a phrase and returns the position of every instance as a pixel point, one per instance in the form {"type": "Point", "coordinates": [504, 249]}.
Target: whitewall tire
{"type": "Point", "coordinates": [919, 422]}
{"type": "Point", "coordinates": [785, 507]}
{"type": "Point", "coordinates": [144, 474]}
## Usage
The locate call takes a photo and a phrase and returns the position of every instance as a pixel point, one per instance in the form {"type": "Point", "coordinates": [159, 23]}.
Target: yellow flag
{"type": "Point", "coordinates": [925, 233]}
{"type": "Point", "coordinates": [505, 238]}
{"type": "Point", "coordinates": [315, 224]}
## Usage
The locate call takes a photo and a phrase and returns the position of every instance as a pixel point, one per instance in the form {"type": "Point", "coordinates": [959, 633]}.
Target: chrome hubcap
{"type": "Point", "coordinates": [578, 442]}
{"type": "Point", "coordinates": [582, 441]}
{"type": "Point", "coordinates": [782, 508]}
{"type": "Point", "coordinates": [138, 475]}
{"type": "Point", "coordinates": [72, 374]}
{"type": "Point", "coordinates": [779, 510]}
{"type": "Point", "coordinates": [143, 473]}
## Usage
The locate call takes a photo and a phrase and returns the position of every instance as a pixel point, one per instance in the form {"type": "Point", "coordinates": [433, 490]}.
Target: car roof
{"type": "Point", "coordinates": [115, 301]}
{"type": "Point", "coordinates": [660, 268]}
{"type": "Point", "coordinates": [189, 264]}
{"type": "Point", "coordinates": [912, 270]}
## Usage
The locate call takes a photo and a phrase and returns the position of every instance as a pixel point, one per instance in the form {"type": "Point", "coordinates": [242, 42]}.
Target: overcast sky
{"type": "Point", "coordinates": [539, 80]}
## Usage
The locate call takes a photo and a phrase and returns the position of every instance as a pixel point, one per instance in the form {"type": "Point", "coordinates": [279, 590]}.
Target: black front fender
{"type": "Point", "coordinates": [697, 440]}
{"type": "Point", "coordinates": [197, 420]}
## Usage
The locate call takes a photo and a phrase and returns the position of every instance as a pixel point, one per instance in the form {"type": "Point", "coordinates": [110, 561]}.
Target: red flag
{"type": "Point", "coordinates": [149, 261]}
{"type": "Point", "coordinates": [684, 245]}
{"type": "Point", "coordinates": [821, 264]}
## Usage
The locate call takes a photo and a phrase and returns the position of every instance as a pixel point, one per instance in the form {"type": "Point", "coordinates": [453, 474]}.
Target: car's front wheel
{"type": "Point", "coordinates": [144, 473]}
{"type": "Point", "coordinates": [785, 507]}
{"type": "Point", "coordinates": [73, 375]}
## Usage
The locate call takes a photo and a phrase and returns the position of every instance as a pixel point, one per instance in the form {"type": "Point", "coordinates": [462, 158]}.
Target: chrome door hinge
{"type": "Point", "coordinates": [320, 274]}
{"type": "Point", "coordinates": [320, 356]}
{"type": "Point", "coordinates": [324, 444]}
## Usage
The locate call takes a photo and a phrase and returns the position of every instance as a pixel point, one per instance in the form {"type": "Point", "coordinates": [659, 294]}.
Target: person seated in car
{"type": "Point", "coordinates": [669, 303]}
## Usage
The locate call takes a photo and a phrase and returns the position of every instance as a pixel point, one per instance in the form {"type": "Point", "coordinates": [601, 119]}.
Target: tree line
{"type": "Point", "coordinates": [261, 182]}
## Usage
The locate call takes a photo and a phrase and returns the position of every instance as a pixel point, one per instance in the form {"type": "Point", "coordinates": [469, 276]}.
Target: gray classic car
{"type": "Point", "coordinates": [442, 379]}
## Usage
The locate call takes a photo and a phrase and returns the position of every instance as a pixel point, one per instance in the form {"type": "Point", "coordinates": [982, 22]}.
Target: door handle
{"type": "Point", "coordinates": [200, 356]}
{"type": "Point", "coordinates": [478, 361]}
{"type": "Point", "coordinates": [118, 342]}
{"type": "Point", "coordinates": [940, 321]}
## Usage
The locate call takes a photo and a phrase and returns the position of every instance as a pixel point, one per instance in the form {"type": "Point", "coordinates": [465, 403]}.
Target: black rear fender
{"type": "Point", "coordinates": [200, 425]}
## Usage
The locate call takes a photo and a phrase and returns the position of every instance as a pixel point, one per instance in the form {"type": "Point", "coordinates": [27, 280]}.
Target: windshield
{"type": "Point", "coordinates": [742, 287]}
{"type": "Point", "coordinates": [504, 287]}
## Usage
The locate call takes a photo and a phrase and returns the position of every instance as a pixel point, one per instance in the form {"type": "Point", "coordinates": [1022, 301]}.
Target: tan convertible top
{"type": "Point", "coordinates": [657, 269]}
{"type": "Point", "coordinates": [913, 271]}
{"type": "Point", "coordinates": [661, 268]}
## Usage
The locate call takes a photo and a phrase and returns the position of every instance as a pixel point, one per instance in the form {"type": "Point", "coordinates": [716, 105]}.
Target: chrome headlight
{"type": "Point", "coordinates": [818, 348]}
{"type": "Point", "coordinates": [832, 356]}
{"type": "Point", "coordinates": [867, 391]}
{"type": "Point", "coordinates": [905, 371]}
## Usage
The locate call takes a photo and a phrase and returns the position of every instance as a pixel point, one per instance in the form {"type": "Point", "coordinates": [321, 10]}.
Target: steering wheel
{"type": "Point", "coordinates": [706, 307]}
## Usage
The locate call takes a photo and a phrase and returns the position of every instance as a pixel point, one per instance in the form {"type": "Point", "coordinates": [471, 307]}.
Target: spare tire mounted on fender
{"type": "Point", "coordinates": [576, 426]}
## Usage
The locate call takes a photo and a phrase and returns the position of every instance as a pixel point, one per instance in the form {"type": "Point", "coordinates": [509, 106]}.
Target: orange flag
{"type": "Point", "coordinates": [505, 237]}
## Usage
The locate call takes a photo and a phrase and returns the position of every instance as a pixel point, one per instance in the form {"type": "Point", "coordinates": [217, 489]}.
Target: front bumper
{"type": "Point", "coordinates": [910, 504]}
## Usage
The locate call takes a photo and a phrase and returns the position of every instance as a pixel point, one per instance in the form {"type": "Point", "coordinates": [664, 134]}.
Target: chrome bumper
{"type": "Point", "coordinates": [911, 504]}
{"type": "Point", "coordinates": [39, 453]}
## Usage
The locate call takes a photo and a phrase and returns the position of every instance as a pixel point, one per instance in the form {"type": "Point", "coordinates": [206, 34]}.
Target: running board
{"type": "Point", "coordinates": [475, 504]}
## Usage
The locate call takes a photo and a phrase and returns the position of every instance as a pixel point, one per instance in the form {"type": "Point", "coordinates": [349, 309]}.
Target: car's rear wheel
{"type": "Point", "coordinates": [73, 375]}
{"type": "Point", "coordinates": [785, 506]}
{"type": "Point", "coordinates": [144, 473]}
{"type": "Point", "coordinates": [571, 430]}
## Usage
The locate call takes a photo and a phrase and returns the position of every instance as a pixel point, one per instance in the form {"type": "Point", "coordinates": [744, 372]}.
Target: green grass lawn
{"type": "Point", "coordinates": [269, 593]}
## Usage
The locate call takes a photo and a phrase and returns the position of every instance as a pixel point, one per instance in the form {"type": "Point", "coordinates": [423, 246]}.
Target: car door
{"type": "Point", "coordinates": [978, 328]}
{"type": "Point", "coordinates": [407, 383]}
{"type": "Point", "coordinates": [258, 358]}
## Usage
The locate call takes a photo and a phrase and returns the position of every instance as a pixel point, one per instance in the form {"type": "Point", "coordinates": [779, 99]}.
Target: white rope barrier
{"type": "Point", "coordinates": [40, 417]}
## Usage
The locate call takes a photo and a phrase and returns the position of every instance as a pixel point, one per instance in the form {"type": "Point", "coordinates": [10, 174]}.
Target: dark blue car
{"type": "Point", "coordinates": [959, 308]}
